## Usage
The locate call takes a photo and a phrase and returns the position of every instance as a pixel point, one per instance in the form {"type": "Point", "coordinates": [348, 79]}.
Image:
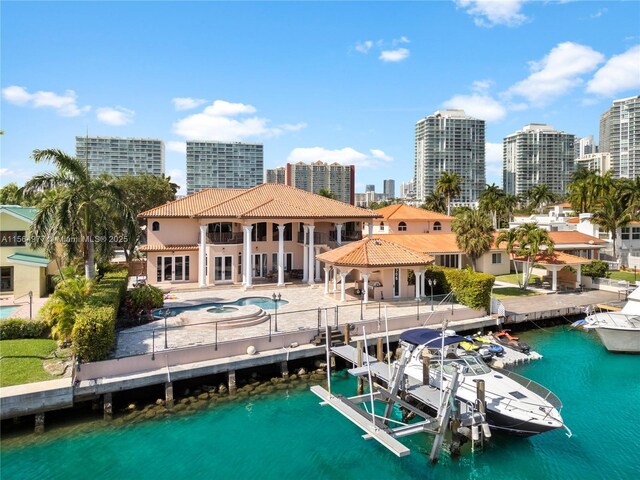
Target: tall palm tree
{"type": "Point", "coordinates": [474, 233]}
{"type": "Point", "coordinates": [511, 240]}
{"type": "Point", "coordinates": [630, 195]}
{"type": "Point", "coordinates": [611, 215]}
{"type": "Point", "coordinates": [491, 202]}
{"type": "Point", "coordinates": [448, 184]}
{"type": "Point", "coordinates": [531, 241]}
{"type": "Point", "coordinates": [77, 211]}
{"type": "Point", "coordinates": [435, 202]}
{"type": "Point", "coordinates": [509, 205]}
{"type": "Point", "coordinates": [540, 195]}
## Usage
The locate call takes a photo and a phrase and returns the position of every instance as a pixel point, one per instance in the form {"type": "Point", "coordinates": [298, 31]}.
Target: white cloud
{"type": "Point", "coordinates": [396, 55]}
{"type": "Point", "coordinates": [187, 103]}
{"type": "Point", "coordinates": [481, 85]}
{"type": "Point", "coordinates": [478, 105]}
{"type": "Point", "coordinates": [116, 116]}
{"type": "Point", "coordinates": [557, 73]}
{"type": "Point", "coordinates": [5, 172]}
{"type": "Point", "coordinates": [215, 122]}
{"type": "Point", "coordinates": [364, 47]}
{"type": "Point", "coordinates": [620, 73]}
{"type": "Point", "coordinates": [397, 41]}
{"type": "Point", "coordinates": [180, 147]}
{"type": "Point", "coordinates": [493, 162]}
{"type": "Point", "coordinates": [345, 156]}
{"type": "Point", "coordinates": [599, 13]}
{"type": "Point", "coordinates": [65, 105]}
{"type": "Point", "coordinates": [488, 13]}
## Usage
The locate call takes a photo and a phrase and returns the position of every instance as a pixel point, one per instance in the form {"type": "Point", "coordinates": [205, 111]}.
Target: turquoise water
{"type": "Point", "coordinates": [289, 435]}
{"type": "Point", "coordinates": [265, 303]}
{"type": "Point", "coordinates": [5, 311]}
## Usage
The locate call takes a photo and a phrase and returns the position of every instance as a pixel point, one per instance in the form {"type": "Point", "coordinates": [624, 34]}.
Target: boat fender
{"type": "Point", "coordinates": [485, 430]}
{"type": "Point", "coordinates": [251, 350]}
{"type": "Point", "coordinates": [475, 433]}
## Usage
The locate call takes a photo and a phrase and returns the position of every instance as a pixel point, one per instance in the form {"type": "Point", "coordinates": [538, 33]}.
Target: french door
{"type": "Point", "coordinates": [222, 267]}
{"type": "Point", "coordinates": [260, 265]}
{"type": "Point", "coordinates": [173, 268]}
{"type": "Point", "coordinates": [396, 282]}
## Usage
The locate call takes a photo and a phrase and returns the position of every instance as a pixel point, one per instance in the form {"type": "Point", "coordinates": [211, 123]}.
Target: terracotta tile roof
{"type": "Point", "coordinates": [557, 258]}
{"type": "Point", "coordinates": [268, 200]}
{"type": "Point", "coordinates": [374, 252]}
{"type": "Point", "coordinates": [573, 220]}
{"type": "Point", "coordinates": [428, 243]}
{"type": "Point", "coordinates": [406, 212]}
{"type": "Point", "coordinates": [573, 237]}
{"type": "Point", "coordinates": [168, 248]}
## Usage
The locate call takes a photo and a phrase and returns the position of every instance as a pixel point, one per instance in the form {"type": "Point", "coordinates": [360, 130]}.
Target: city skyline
{"type": "Point", "coordinates": [269, 74]}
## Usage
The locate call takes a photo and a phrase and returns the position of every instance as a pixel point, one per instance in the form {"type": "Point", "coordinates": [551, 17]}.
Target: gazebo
{"type": "Point", "coordinates": [380, 263]}
{"type": "Point", "coordinates": [555, 262]}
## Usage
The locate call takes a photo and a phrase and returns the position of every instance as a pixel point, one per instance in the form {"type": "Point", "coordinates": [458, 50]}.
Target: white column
{"type": "Point", "coordinates": [248, 261]}
{"type": "Point", "coordinates": [343, 296]}
{"type": "Point", "coordinates": [335, 280]}
{"type": "Point", "coordinates": [418, 275]}
{"type": "Point", "coordinates": [339, 233]}
{"type": "Point", "coordinates": [579, 275]}
{"type": "Point", "coordinates": [281, 255]}
{"type": "Point", "coordinates": [202, 250]}
{"type": "Point", "coordinates": [327, 270]}
{"type": "Point", "coordinates": [305, 255]}
{"type": "Point", "coordinates": [318, 278]}
{"type": "Point", "coordinates": [371, 229]}
{"type": "Point", "coordinates": [366, 287]}
{"type": "Point", "coordinates": [312, 255]}
{"type": "Point", "coordinates": [459, 261]}
{"type": "Point", "coordinates": [554, 279]}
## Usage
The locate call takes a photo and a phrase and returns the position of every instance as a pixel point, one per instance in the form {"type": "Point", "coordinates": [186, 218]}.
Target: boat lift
{"type": "Point", "coordinates": [400, 389]}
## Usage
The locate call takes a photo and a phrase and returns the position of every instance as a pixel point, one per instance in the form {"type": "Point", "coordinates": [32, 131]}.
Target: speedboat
{"type": "Point", "coordinates": [618, 331]}
{"type": "Point", "coordinates": [514, 404]}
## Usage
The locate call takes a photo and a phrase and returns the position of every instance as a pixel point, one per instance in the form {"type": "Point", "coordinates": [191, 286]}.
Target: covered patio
{"type": "Point", "coordinates": [553, 263]}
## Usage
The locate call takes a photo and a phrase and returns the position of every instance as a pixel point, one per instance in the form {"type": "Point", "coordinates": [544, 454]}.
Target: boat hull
{"type": "Point", "coordinates": [499, 423]}
{"type": "Point", "coordinates": [620, 339]}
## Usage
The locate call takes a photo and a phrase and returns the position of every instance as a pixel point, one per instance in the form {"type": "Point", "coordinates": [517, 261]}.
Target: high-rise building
{"type": "Point", "coordinates": [337, 179]}
{"type": "Point", "coordinates": [121, 156]}
{"type": "Point", "coordinates": [621, 134]}
{"type": "Point", "coordinates": [450, 141]}
{"type": "Point", "coordinates": [408, 190]}
{"type": "Point", "coordinates": [537, 154]}
{"type": "Point", "coordinates": [598, 162]}
{"type": "Point", "coordinates": [585, 146]}
{"type": "Point", "coordinates": [212, 164]}
{"type": "Point", "coordinates": [370, 188]}
{"type": "Point", "coordinates": [389, 188]}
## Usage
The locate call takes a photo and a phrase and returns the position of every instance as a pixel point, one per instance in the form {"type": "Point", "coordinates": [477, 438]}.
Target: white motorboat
{"type": "Point", "coordinates": [514, 404]}
{"type": "Point", "coordinates": [619, 331]}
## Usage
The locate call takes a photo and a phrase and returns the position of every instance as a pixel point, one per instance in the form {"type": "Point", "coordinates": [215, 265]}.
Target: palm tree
{"type": "Point", "coordinates": [434, 202]}
{"type": "Point", "coordinates": [448, 184]}
{"type": "Point", "coordinates": [510, 237]}
{"type": "Point", "coordinates": [509, 205]}
{"type": "Point", "coordinates": [531, 240]}
{"type": "Point", "coordinates": [60, 311]}
{"type": "Point", "coordinates": [325, 192]}
{"type": "Point", "coordinates": [630, 193]}
{"type": "Point", "coordinates": [77, 211]}
{"type": "Point", "coordinates": [491, 202]}
{"type": "Point", "coordinates": [474, 233]}
{"type": "Point", "coordinates": [611, 215]}
{"type": "Point", "coordinates": [540, 195]}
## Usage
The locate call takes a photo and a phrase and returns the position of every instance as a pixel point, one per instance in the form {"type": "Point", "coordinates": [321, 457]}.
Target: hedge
{"type": "Point", "coordinates": [94, 332]}
{"type": "Point", "coordinates": [17, 328]}
{"type": "Point", "coordinates": [471, 288]}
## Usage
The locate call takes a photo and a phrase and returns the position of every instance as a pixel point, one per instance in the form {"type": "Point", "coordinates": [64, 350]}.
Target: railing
{"type": "Point", "coordinates": [319, 238]}
{"type": "Point", "coordinates": [536, 388]}
{"type": "Point", "coordinates": [345, 237]}
{"type": "Point", "coordinates": [225, 237]}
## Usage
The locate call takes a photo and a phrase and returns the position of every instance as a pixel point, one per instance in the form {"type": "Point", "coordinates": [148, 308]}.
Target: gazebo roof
{"type": "Point", "coordinates": [556, 258]}
{"type": "Point", "coordinates": [374, 252]}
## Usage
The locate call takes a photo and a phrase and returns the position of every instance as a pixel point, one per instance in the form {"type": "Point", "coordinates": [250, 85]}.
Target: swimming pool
{"type": "Point", "coordinates": [5, 311]}
{"type": "Point", "coordinates": [265, 303]}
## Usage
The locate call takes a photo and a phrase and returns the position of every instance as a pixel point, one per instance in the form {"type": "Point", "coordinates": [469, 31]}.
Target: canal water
{"type": "Point", "coordinates": [289, 436]}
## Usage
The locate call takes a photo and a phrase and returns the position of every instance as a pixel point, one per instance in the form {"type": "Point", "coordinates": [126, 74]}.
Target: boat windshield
{"type": "Point", "coordinates": [471, 365]}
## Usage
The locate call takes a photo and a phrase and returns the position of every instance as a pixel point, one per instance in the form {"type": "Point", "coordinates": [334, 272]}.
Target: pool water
{"type": "Point", "coordinates": [222, 310]}
{"type": "Point", "coordinates": [265, 303]}
{"type": "Point", "coordinates": [5, 311]}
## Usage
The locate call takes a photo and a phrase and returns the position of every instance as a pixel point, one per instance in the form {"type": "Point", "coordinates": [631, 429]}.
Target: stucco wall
{"type": "Point", "coordinates": [485, 265]}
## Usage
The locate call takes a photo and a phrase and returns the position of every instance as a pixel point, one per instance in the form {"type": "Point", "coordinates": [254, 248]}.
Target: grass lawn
{"type": "Point", "coordinates": [512, 278]}
{"type": "Point", "coordinates": [21, 361]}
{"type": "Point", "coordinates": [628, 276]}
{"type": "Point", "coordinates": [508, 292]}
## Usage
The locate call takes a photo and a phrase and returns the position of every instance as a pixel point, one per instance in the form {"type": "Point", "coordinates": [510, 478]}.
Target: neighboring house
{"type": "Point", "coordinates": [401, 218]}
{"type": "Point", "coordinates": [557, 219]}
{"type": "Point", "coordinates": [207, 237]}
{"type": "Point", "coordinates": [23, 269]}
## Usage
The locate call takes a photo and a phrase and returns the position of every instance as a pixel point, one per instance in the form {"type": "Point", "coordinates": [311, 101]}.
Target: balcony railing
{"type": "Point", "coordinates": [346, 236]}
{"type": "Point", "coordinates": [225, 237]}
{"type": "Point", "coordinates": [319, 238]}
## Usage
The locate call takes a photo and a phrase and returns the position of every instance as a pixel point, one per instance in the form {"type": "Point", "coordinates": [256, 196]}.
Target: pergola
{"type": "Point", "coordinates": [555, 262]}
{"type": "Point", "coordinates": [366, 256]}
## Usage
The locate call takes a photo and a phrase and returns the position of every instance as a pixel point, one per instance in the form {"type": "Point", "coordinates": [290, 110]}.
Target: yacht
{"type": "Point", "coordinates": [618, 331]}
{"type": "Point", "coordinates": [514, 404]}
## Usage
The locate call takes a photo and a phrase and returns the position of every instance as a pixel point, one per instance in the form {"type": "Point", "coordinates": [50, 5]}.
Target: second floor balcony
{"type": "Point", "coordinates": [225, 238]}
{"type": "Point", "coordinates": [346, 236]}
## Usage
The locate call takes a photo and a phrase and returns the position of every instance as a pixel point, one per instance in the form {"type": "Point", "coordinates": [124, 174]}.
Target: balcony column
{"type": "Point", "coordinates": [281, 255]}
{"type": "Point", "coordinates": [318, 278]}
{"type": "Point", "coordinates": [343, 296]}
{"type": "Point", "coordinates": [371, 229]}
{"type": "Point", "coordinates": [312, 255]}
{"type": "Point", "coordinates": [554, 279]}
{"type": "Point", "coordinates": [339, 234]}
{"type": "Point", "coordinates": [335, 280]}
{"type": "Point", "coordinates": [327, 271]}
{"type": "Point", "coordinates": [248, 267]}
{"type": "Point", "coordinates": [305, 255]}
{"type": "Point", "coordinates": [366, 287]}
{"type": "Point", "coordinates": [202, 251]}
{"type": "Point", "coordinates": [418, 277]}
{"type": "Point", "coordinates": [459, 261]}
{"type": "Point", "coordinates": [579, 275]}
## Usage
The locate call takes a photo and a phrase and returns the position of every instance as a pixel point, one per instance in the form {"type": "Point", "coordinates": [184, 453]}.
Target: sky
{"type": "Point", "coordinates": [332, 81]}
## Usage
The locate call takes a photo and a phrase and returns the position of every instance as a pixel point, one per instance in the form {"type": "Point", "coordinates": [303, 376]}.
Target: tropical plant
{"type": "Point", "coordinates": [474, 233]}
{"type": "Point", "coordinates": [77, 211]}
{"type": "Point", "coordinates": [509, 205]}
{"type": "Point", "coordinates": [539, 196]}
{"type": "Point", "coordinates": [435, 202]}
{"type": "Point", "coordinates": [449, 185]}
{"type": "Point", "coordinates": [325, 192]}
{"type": "Point", "coordinates": [60, 310]}
{"type": "Point", "coordinates": [531, 241]}
{"type": "Point", "coordinates": [510, 238]}
{"type": "Point", "coordinates": [596, 269]}
{"type": "Point", "coordinates": [611, 214]}
{"type": "Point", "coordinates": [141, 301]}
{"type": "Point", "coordinates": [491, 201]}
{"type": "Point", "coordinates": [630, 195]}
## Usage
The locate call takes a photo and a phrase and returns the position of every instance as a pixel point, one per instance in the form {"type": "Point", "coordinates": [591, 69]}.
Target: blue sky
{"type": "Point", "coordinates": [336, 81]}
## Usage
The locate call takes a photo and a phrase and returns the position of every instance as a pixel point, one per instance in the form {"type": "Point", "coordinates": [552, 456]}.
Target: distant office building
{"type": "Point", "coordinates": [389, 188]}
{"type": "Point", "coordinates": [585, 146]}
{"type": "Point", "coordinates": [365, 200]}
{"type": "Point", "coordinates": [598, 162]}
{"type": "Point", "coordinates": [535, 155]}
{"type": "Point", "coordinates": [213, 164]}
{"type": "Point", "coordinates": [336, 178]}
{"type": "Point", "coordinates": [408, 190]}
{"type": "Point", "coordinates": [121, 156]}
{"type": "Point", "coordinates": [450, 141]}
{"type": "Point", "coordinates": [620, 126]}
{"type": "Point", "coordinates": [370, 188]}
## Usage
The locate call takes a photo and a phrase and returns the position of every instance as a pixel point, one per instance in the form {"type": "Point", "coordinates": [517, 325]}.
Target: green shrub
{"type": "Point", "coordinates": [17, 328]}
{"type": "Point", "coordinates": [145, 297]}
{"type": "Point", "coordinates": [596, 269]}
{"type": "Point", "coordinates": [470, 288]}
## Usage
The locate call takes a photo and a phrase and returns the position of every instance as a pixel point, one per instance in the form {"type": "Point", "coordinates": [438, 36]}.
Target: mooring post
{"type": "Point", "coordinates": [39, 423]}
{"type": "Point", "coordinates": [284, 369]}
{"type": "Point", "coordinates": [426, 361]}
{"type": "Point", "coordinates": [347, 333]}
{"type": "Point", "coordinates": [379, 351]}
{"type": "Point", "coordinates": [168, 394]}
{"type": "Point", "coordinates": [107, 402]}
{"type": "Point", "coordinates": [360, 382]}
{"type": "Point", "coordinates": [232, 382]}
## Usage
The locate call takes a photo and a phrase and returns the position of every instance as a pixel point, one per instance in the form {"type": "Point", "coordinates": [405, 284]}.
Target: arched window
{"type": "Point", "coordinates": [402, 227]}
{"type": "Point", "coordinates": [155, 226]}
{"type": "Point", "coordinates": [437, 226]}
{"type": "Point", "coordinates": [382, 226]}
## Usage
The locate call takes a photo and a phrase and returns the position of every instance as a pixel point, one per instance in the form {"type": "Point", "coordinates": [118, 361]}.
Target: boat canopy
{"type": "Point", "coordinates": [429, 337]}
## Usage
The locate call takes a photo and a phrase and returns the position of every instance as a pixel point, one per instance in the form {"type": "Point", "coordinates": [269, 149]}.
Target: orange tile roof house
{"type": "Point", "coordinates": [218, 236]}
{"type": "Point", "coordinates": [401, 218]}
